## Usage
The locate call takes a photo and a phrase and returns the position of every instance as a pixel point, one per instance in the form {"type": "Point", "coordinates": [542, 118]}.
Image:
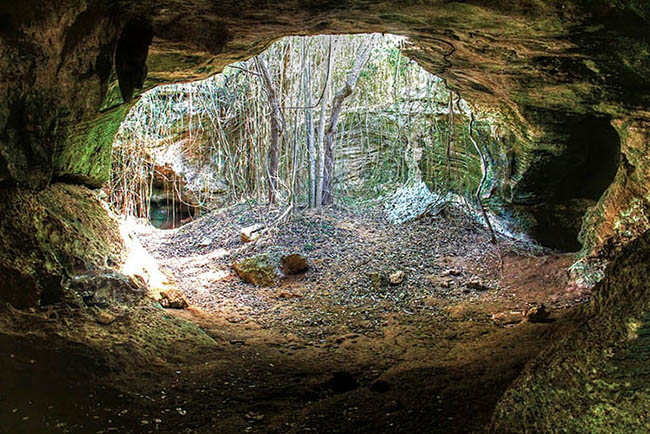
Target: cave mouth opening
{"type": "Point", "coordinates": [402, 237]}
{"type": "Point", "coordinates": [594, 151]}
{"type": "Point", "coordinates": [402, 152]}
{"type": "Point", "coordinates": [381, 306]}
{"type": "Point", "coordinates": [583, 172]}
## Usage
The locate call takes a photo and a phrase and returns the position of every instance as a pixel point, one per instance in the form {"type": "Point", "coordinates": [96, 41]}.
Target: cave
{"type": "Point", "coordinates": [578, 178]}
{"type": "Point", "coordinates": [594, 153]}
{"type": "Point", "coordinates": [91, 334]}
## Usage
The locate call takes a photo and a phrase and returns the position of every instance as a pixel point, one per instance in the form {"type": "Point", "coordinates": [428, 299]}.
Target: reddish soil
{"type": "Point", "coordinates": [325, 352]}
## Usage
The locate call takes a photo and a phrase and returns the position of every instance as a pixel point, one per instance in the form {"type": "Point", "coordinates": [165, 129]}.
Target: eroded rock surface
{"type": "Point", "coordinates": [56, 241]}
{"type": "Point", "coordinates": [595, 377]}
{"type": "Point", "coordinates": [549, 68]}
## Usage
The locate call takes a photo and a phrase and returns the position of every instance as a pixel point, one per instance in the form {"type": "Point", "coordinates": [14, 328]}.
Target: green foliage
{"type": "Point", "coordinates": [397, 112]}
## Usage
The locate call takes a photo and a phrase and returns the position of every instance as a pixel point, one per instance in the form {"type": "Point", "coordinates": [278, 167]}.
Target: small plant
{"type": "Point", "coordinates": [309, 247]}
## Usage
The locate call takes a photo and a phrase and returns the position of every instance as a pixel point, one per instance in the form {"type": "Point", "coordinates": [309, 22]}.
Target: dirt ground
{"type": "Point", "coordinates": [324, 352]}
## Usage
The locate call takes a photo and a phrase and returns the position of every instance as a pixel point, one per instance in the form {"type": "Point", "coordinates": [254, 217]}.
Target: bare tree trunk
{"type": "Point", "coordinates": [321, 136]}
{"type": "Point", "coordinates": [332, 127]}
{"type": "Point", "coordinates": [493, 238]}
{"type": "Point", "coordinates": [309, 124]}
{"type": "Point", "coordinates": [276, 129]}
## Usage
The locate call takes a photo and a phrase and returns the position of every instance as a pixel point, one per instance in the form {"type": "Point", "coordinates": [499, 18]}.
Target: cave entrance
{"type": "Point", "coordinates": [355, 302]}
{"type": "Point", "coordinates": [594, 149]}
{"type": "Point", "coordinates": [580, 176]}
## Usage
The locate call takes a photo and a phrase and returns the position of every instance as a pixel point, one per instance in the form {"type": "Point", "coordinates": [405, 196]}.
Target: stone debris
{"type": "Point", "coordinates": [173, 299]}
{"type": "Point", "coordinates": [538, 313]}
{"type": "Point", "coordinates": [396, 278]}
{"type": "Point", "coordinates": [251, 233]}
{"type": "Point", "coordinates": [105, 318]}
{"type": "Point", "coordinates": [267, 269]}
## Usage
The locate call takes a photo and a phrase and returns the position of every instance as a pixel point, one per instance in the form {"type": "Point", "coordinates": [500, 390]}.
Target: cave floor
{"type": "Point", "coordinates": [324, 352]}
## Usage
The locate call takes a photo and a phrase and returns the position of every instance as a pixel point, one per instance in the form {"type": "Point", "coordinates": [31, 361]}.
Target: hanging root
{"type": "Point", "coordinates": [493, 238]}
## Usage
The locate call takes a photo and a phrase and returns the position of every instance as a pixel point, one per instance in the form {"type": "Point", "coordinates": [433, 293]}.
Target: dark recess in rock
{"type": "Point", "coordinates": [131, 56]}
{"type": "Point", "coordinates": [566, 185]}
{"type": "Point", "coordinates": [342, 382]}
{"type": "Point", "coordinates": [6, 25]}
{"type": "Point", "coordinates": [594, 153]}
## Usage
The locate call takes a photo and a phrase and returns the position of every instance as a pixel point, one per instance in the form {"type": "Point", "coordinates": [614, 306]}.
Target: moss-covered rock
{"type": "Point", "coordinates": [622, 214]}
{"type": "Point", "coordinates": [52, 239]}
{"type": "Point", "coordinates": [85, 157]}
{"type": "Point", "coordinates": [267, 269]}
{"type": "Point", "coordinates": [595, 379]}
{"type": "Point", "coordinates": [260, 270]}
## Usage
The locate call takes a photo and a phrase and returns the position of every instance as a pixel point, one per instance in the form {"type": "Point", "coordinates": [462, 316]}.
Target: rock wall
{"type": "Point", "coordinates": [59, 245]}
{"type": "Point", "coordinates": [623, 213]}
{"type": "Point", "coordinates": [595, 378]}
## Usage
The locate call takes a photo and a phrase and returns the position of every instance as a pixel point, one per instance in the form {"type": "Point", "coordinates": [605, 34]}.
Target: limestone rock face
{"type": "Point", "coordinates": [102, 289]}
{"type": "Point", "coordinates": [594, 378]}
{"type": "Point", "coordinates": [52, 240]}
{"type": "Point", "coordinates": [623, 213]}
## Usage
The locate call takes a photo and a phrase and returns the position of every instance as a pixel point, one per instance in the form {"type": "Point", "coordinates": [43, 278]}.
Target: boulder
{"type": "Point", "coordinates": [103, 289]}
{"type": "Point", "coordinates": [260, 270]}
{"type": "Point", "coordinates": [267, 269]}
{"type": "Point", "coordinates": [294, 263]}
{"type": "Point", "coordinates": [57, 241]}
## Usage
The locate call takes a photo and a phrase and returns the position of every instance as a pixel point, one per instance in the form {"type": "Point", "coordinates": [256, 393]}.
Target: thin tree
{"type": "Point", "coordinates": [325, 188]}
{"type": "Point", "coordinates": [321, 133]}
{"type": "Point", "coordinates": [276, 129]}
{"type": "Point", "coordinates": [309, 121]}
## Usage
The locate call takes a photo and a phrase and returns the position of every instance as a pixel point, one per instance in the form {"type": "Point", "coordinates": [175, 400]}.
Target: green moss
{"type": "Point", "coordinates": [113, 96]}
{"type": "Point", "coordinates": [58, 232]}
{"type": "Point", "coordinates": [85, 156]}
{"type": "Point", "coordinates": [596, 377]}
{"type": "Point", "coordinates": [260, 270]}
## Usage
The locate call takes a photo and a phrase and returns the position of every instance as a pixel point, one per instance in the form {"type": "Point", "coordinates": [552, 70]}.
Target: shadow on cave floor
{"type": "Point", "coordinates": [324, 352]}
